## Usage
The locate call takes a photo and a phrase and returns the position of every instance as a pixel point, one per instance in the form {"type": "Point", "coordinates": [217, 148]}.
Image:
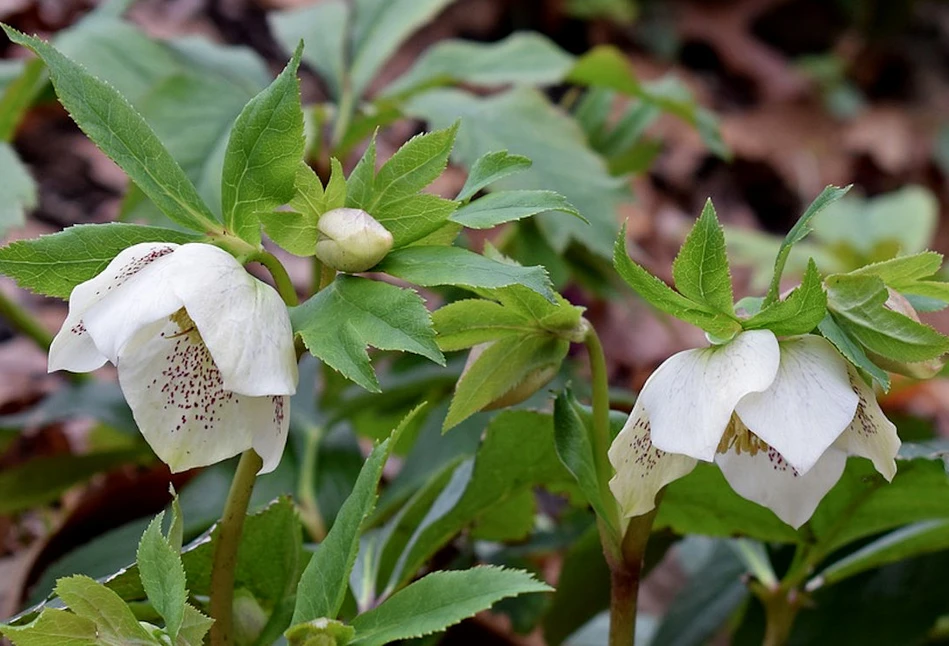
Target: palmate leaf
{"type": "Point", "coordinates": [339, 322]}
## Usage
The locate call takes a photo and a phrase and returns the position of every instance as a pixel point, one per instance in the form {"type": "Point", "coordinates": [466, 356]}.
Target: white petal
{"type": "Point", "coordinates": [142, 295]}
{"type": "Point", "coordinates": [179, 402]}
{"type": "Point", "coordinates": [270, 440]}
{"type": "Point", "coordinates": [243, 321]}
{"type": "Point", "coordinates": [642, 469]}
{"type": "Point", "coordinates": [73, 348]}
{"type": "Point", "coordinates": [690, 398]}
{"type": "Point", "coordinates": [807, 407]}
{"type": "Point", "coordinates": [870, 435]}
{"type": "Point", "coordinates": [767, 479]}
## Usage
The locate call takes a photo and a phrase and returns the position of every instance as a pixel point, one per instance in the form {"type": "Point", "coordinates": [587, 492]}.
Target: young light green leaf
{"type": "Point", "coordinates": [523, 58]}
{"type": "Point", "coordinates": [323, 584]}
{"type": "Point", "coordinates": [338, 323]}
{"type": "Point", "coordinates": [463, 324]}
{"type": "Point", "coordinates": [438, 601]}
{"type": "Point", "coordinates": [163, 576]}
{"type": "Point", "coordinates": [431, 266]}
{"type": "Point", "coordinates": [913, 540]}
{"type": "Point", "coordinates": [378, 28]}
{"type": "Point", "coordinates": [858, 305]}
{"type": "Point", "coordinates": [391, 196]}
{"type": "Point", "coordinates": [53, 628]}
{"type": "Point", "coordinates": [572, 439]}
{"type": "Point", "coordinates": [263, 154]}
{"type": "Point", "coordinates": [701, 267]}
{"type": "Point", "coordinates": [488, 169]}
{"type": "Point", "coordinates": [506, 206]}
{"type": "Point", "coordinates": [194, 626]}
{"type": "Point", "coordinates": [16, 97]}
{"type": "Point", "coordinates": [524, 121]}
{"type": "Point", "coordinates": [797, 233]}
{"type": "Point", "coordinates": [114, 125]}
{"type": "Point", "coordinates": [115, 623]}
{"type": "Point", "coordinates": [54, 264]}
{"type": "Point", "coordinates": [500, 368]}
{"type": "Point", "coordinates": [903, 270]}
{"type": "Point", "coordinates": [667, 300]}
{"type": "Point", "coordinates": [799, 313]}
{"type": "Point", "coordinates": [851, 350]}
{"type": "Point", "coordinates": [323, 26]}
{"type": "Point", "coordinates": [17, 191]}
{"type": "Point", "coordinates": [296, 230]}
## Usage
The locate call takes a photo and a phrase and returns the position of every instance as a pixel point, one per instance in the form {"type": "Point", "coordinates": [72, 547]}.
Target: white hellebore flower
{"type": "Point", "coordinates": [779, 418]}
{"type": "Point", "coordinates": [204, 351]}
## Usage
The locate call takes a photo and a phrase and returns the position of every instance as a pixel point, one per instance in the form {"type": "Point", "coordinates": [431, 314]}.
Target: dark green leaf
{"type": "Point", "coordinates": [848, 347]}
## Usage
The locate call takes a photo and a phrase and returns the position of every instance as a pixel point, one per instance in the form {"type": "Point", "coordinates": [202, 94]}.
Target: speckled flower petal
{"type": "Point", "coordinates": [243, 321]}
{"type": "Point", "coordinates": [767, 479]}
{"type": "Point", "coordinates": [870, 435]}
{"type": "Point", "coordinates": [690, 398]}
{"type": "Point", "coordinates": [642, 469]}
{"type": "Point", "coordinates": [73, 347]}
{"type": "Point", "coordinates": [179, 402]}
{"type": "Point", "coordinates": [809, 404]}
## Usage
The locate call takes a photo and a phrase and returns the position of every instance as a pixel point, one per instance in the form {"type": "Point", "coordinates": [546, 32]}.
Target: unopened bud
{"type": "Point", "coordinates": [320, 632]}
{"type": "Point", "coordinates": [351, 240]}
{"type": "Point", "coordinates": [919, 369]}
{"type": "Point", "coordinates": [534, 381]}
{"type": "Point", "coordinates": [249, 618]}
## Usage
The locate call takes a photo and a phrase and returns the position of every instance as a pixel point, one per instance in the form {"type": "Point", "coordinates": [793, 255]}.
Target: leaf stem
{"type": "Point", "coordinates": [281, 279]}
{"type": "Point", "coordinates": [226, 544]}
{"type": "Point", "coordinates": [600, 442]}
{"type": "Point", "coordinates": [780, 607]}
{"type": "Point", "coordinates": [625, 577]}
{"type": "Point", "coordinates": [24, 322]}
{"type": "Point", "coordinates": [310, 512]}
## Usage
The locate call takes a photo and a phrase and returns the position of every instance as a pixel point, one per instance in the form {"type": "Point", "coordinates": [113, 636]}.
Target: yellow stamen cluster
{"type": "Point", "coordinates": [740, 439]}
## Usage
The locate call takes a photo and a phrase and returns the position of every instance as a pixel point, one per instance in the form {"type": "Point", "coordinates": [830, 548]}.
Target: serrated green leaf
{"type": "Point", "coordinates": [857, 303]}
{"type": "Point", "coordinates": [463, 324]}
{"type": "Point", "coordinates": [323, 27]}
{"type": "Point", "coordinates": [194, 626]}
{"type": "Point", "coordinates": [523, 58]}
{"type": "Point", "coordinates": [438, 601]}
{"type": "Point", "coordinates": [852, 351]}
{"type": "Point", "coordinates": [324, 581]}
{"type": "Point", "coordinates": [352, 313]}
{"type": "Point", "coordinates": [700, 269]}
{"type": "Point", "coordinates": [263, 154]}
{"type": "Point", "coordinates": [17, 191]}
{"type": "Point", "coordinates": [572, 439]}
{"type": "Point", "coordinates": [296, 230]}
{"type": "Point", "coordinates": [163, 576]}
{"type": "Point", "coordinates": [904, 270]}
{"type": "Point", "coordinates": [53, 628]}
{"type": "Point", "coordinates": [54, 264]}
{"type": "Point", "coordinates": [798, 232]}
{"type": "Point", "coordinates": [507, 206]}
{"type": "Point", "coordinates": [431, 266]}
{"type": "Point", "coordinates": [523, 121]}
{"type": "Point", "coordinates": [919, 538]}
{"type": "Point", "coordinates": [391, 195]}
{"type": "Point", "coordinates": [666, 299]}
{"type": "Point", "coordinates": [378, 28]}
{"type": "Point", "coordinates": [111, 122]}
{"type": "Point", "coordinates": [799, 313]}
{"type": "Point", "coordinates": [499, 369]}
{"type": "Point", "coordinates": [115, 623]}
{"type": "Point", "coordinates": [488, 169]}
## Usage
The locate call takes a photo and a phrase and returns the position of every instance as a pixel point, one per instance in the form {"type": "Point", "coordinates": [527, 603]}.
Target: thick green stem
{"type": "Point", "coordinates": [625, 577]}
{"type": "Point", "coordinates": [23, 322]}
{"type": "Point", "coordinates": [310, 512]}
{"type": "Point", "coordinates": [281, 279]}
{"type": "Point", "coordinates": [225, 547]}
{"type": "Point", "coordinates": [780, 609]}
{"type": "Point", "coordinates": [600, 442]}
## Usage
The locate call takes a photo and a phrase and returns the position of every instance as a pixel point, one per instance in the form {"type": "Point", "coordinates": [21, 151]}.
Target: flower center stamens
{"type": "Point", "coordinates": [185, 326]}
{"type": "Point", "coordinates": [740, 439]}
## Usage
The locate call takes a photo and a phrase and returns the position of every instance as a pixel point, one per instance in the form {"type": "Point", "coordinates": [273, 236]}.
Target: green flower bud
{"type": "Point", "coordinates": [917, 370]}
{"type": "Point", "coordinates": [320, 632]}
{"type": "Point", "coordinates": [249, 618]}
{"type": "Point", "coordinates": [351, 240]}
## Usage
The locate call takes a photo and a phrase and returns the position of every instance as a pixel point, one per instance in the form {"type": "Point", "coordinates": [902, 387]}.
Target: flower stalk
{"type": "Point", "coordinates": [24, 322]}
{"type": "Point", "coordinates": [225, 548]}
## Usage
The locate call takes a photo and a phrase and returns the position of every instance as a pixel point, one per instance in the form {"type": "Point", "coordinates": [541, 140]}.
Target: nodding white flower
{"type": "Point", "coordinates": [204, 351]}
{"type": "Point", "coordinates": [778, 417]}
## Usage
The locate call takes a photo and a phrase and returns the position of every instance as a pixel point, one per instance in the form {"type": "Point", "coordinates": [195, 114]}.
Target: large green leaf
{"type": "Point", "coordinates": [111, 122]}
{"type": "Point", "coordinates": [438, 601]}
{"type": "Point", "coordinates": [523, 58]}
{"type": "Point", "coordinates": [54, 264]}
{"type": "Point", "coordinates": [506, 206]}
{"type": "Point", "coordinates": [54, 628]}
{"type": "Point", "coordinates": [522, 121]}
{"type": "Point", "coordinates": [115, 623]}
{"type": "Point", "coordinates": [17, 191]}
{"type": "Point", "coordinates": [338, 323]}
{"type": "Point", "coordinates": [263, 154]}
{"type": "Point", "coordinates": [431, 266]}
